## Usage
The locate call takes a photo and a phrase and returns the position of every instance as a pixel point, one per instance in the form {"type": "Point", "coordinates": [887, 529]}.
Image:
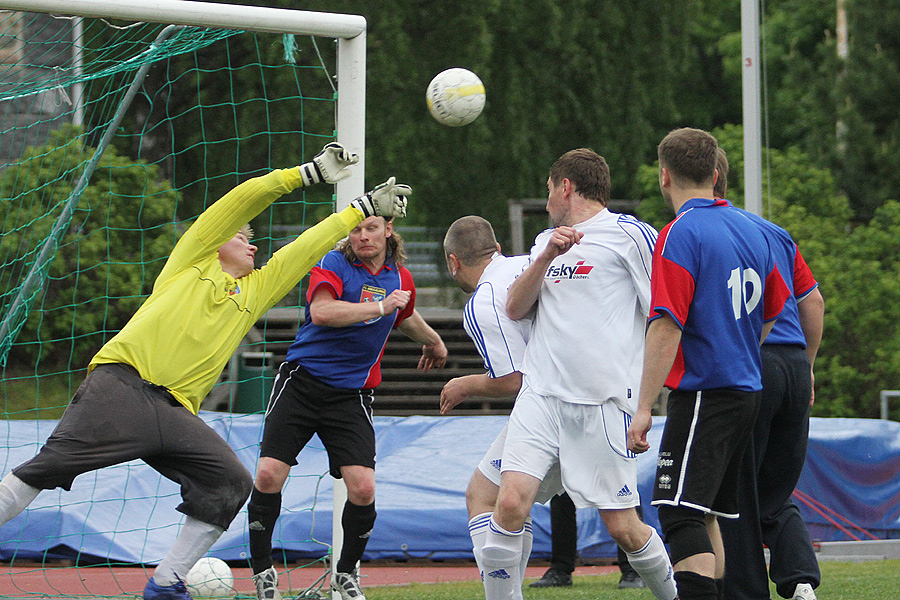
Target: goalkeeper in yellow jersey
{"type": "Point", "coordinates": [144, 387]}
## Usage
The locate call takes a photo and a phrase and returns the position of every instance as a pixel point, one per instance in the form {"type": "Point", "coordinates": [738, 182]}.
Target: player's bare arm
{"type": "Point", "coordinates": [811, 309]}
{"type": "Point", "coordinates": [460, 389]}
{"type": "Point", "coordinates": [434, 352]}
{"type": "Point", "coordinates": [663, 337]}
{"type": "Point", "coordinates": [328, 311]}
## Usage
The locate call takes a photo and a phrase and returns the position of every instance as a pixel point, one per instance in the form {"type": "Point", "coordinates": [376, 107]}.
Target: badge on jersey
{"type": "Point", "coordinates": [371, 294]}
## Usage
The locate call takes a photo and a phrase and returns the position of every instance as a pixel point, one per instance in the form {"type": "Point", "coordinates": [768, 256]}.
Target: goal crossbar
{"type": "Point", "coordinates": [203, 14]}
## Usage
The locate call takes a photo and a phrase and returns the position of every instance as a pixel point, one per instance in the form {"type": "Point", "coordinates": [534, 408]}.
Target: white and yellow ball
{"type": "Point", "coordinates": [455, 97]}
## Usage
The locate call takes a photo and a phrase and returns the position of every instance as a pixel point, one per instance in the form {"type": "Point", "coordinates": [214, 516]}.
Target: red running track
{"type": "Point", "coordinates": [39, 582]}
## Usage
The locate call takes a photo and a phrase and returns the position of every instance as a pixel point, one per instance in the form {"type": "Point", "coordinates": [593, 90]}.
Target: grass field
{"type": "Point", "coordinates": [24, 395]}
{"type": "Point", "coordinates": [874, 580]}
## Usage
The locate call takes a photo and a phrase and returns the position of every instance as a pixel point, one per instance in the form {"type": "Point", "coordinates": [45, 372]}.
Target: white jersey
{"type": "Point", "coordinates": [587, 341]}
{"type": "Point", "coordinates": [500, 340]}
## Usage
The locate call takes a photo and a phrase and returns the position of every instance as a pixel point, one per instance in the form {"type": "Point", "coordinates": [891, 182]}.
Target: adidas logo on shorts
{"type": "Point", "coordinates": [499, 574]}
{"type": "Point", "coordinates": [496, 463]}
{"type": "Point", "coordinates": [623, 492]}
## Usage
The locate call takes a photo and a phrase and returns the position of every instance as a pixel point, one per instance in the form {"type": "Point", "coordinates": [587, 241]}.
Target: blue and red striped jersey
{"type": "Point", "coordinates": [715, 274]}
{"type": "Point", "coordinates": [797, 276]}
{"type": "Point", "coordinates": [350, 357]}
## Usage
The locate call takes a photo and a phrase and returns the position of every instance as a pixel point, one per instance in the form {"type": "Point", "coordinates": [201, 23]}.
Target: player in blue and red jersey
{"type": "Point", "coordinates": [777, 449]}
{"type": "Point", "coordinates": [357, 294]}
{"type": "Point", "coordinates": [715, 292]}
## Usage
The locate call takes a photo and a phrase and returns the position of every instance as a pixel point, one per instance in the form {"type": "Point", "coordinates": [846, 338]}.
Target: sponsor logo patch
{"type": "Point", "coordinates": [577, 271]}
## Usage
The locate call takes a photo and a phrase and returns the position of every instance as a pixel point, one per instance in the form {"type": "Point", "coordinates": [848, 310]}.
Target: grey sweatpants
{"type": "Point", "coordinates": [114, 417]}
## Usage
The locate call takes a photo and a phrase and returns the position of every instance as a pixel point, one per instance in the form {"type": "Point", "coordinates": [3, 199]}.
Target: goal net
{"type": "Point", "coordinates": [120, 125]}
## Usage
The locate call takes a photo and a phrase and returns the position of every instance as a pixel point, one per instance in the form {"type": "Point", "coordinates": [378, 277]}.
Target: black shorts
{"type": "Point", "coordinates": [114, 417]}
{"type": "Point", "coordinates": [301, 405]}
{"type": "Point", "coordinates": [702, 446]}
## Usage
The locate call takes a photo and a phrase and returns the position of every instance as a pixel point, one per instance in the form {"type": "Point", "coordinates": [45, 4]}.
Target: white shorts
{"type": "Point", "coordinates": [585, 441]}
{"type": "Point", "coordinates": [490, 468]}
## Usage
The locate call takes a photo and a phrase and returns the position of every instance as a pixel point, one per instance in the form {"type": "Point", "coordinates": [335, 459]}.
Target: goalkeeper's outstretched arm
{"type": "Point", "coordinates": [221, 221]}
{"type": "Point", "coordinates": [288, 266]}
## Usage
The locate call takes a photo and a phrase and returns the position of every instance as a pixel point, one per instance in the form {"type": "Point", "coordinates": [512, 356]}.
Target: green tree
{"type": "Point", "coordinates": [861, 348]}
{"type": "Point", "coordinates": [121, 232]}
{"type": "Point", "coordinates": [866, 158]}
{"type": "Point", "coordinates": [839, 112]}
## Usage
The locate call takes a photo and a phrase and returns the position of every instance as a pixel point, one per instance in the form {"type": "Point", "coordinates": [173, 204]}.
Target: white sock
{"type": "Point", "coordinates": [527, 543]}
{"type": "Point", "coordinates": [653, 565]}
{"type": "Point", "coordinates": [478, 528]}
{"type": "Point", "coordinates": [15, 496]}
{"type": "Point", "coordinates": [501, 555]}
{"type": "Point", "coordinates": [192, 543]}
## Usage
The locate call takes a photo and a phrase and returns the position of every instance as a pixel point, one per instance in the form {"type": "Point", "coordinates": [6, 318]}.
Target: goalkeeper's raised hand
{"type": "Point", "coordinates": [386, 200]}
{"type": "Point", "coordinates": [330, 165]}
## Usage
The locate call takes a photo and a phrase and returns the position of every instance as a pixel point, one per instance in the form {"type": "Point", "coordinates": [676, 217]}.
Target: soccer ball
{"type": "Point", "coordinates": [210, 578]}
{"type": "Point", "coordinates": [455, 97]}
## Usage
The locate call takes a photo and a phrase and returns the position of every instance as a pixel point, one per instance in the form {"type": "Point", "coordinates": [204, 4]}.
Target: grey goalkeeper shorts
{"type": "Point", "coordinates": [114, 417]}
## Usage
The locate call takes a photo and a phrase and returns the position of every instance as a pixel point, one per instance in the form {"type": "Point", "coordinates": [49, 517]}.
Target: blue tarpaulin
{"type": "Point", "coordinates": [126, 513]}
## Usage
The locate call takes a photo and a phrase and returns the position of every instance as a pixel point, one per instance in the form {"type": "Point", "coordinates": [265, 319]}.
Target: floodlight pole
{"type": "Point", "coordinates": [751, 106]}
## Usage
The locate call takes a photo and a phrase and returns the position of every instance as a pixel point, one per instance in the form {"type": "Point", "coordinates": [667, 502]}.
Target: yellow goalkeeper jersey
{"type": "Point", "coordinates": [192, 322]}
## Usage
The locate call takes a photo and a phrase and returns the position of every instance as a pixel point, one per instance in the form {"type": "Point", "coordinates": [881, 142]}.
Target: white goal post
{"type": "Point", "coordinates": [350, 32]}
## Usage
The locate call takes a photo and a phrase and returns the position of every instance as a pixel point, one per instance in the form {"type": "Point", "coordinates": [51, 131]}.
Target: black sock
{"type": "Point", "coordinates": [262, 512]}
{"type": "Point", "coordinates": [720, 588]}
{"type": "Point", "coordinates": [357, 522]}
{"type": "Point", "coordinates": [693, 586]}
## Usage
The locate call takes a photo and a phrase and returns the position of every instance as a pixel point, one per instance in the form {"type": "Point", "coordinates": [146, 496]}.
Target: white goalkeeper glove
{"type": "Point", "coordinates": [330, 165]}
{"type": "Point", "coordinates": [386, 200]}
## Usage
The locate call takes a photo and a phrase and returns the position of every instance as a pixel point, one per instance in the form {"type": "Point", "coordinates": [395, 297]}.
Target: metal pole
{"type": "Point", "coordinates": [337, 528]}
{"type": "Point", "coordinates": [517, 227]}
{"type": "Point", "coordinates": [351, 113]}
{"type": "Point", "coordinates": [78, 63]}
{"type": "Point", "coordinates": [885, 396]}
{"type": "Point", "coordinates": [751, 103]}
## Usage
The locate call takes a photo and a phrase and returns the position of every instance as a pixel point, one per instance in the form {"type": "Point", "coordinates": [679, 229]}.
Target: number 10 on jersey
{"type": "Point", "coordinates": [738, 282]}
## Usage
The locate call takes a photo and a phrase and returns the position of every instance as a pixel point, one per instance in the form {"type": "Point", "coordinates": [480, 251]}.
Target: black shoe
{"type": "Point", "coordinates": [631, 579]}
{"type": "Point", "coordinates": [553, 578]}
